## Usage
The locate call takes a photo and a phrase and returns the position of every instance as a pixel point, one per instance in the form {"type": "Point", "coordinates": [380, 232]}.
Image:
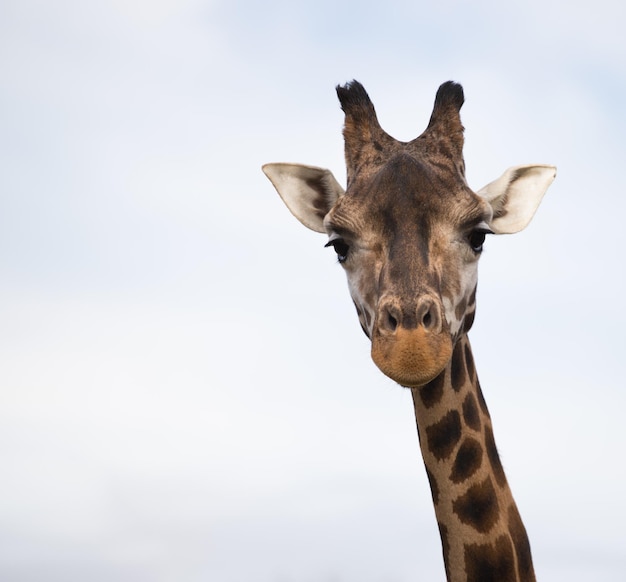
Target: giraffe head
{"type": "Point", "coordinates": [408, 230]}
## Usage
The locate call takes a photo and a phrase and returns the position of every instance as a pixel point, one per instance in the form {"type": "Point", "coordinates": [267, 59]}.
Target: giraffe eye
{"type": "Point", "coordinates": [476, 239]}
{"type": "Point", "coordinates": [341, 248]}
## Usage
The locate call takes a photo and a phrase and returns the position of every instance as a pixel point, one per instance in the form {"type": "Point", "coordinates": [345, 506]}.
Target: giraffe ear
{"type": "Point", "coordinates": [309, 192]}
{"type": "Point", "coordinates": [515, 196]}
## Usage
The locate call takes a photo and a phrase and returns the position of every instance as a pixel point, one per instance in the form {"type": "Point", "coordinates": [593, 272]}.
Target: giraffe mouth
{"type": "Point", "coordinates": [412, 357]}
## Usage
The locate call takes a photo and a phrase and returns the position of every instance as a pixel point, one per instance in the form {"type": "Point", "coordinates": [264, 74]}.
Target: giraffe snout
{"type": "Point", "coordinates": [426, 312]}
{"type": "Point", "coordinates": [411, 345]}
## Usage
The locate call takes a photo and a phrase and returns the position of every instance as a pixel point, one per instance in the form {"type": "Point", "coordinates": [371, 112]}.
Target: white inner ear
{"type": "Point", "coordinates": [516, 195]}
{"type": "Point", "coordinates": [308, 191]}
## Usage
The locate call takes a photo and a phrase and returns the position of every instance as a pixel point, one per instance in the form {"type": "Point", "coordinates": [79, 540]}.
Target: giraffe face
{"type": "Point", "coordinates": [409, 239]}
{"type": "Point", "coordinates": [408, 230]}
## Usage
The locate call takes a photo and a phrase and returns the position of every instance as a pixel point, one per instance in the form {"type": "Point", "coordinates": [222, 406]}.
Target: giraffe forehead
{"type": "Point", "coordinates": [407, 197]}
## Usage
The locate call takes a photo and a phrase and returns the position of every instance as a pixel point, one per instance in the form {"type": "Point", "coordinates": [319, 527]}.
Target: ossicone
{"type": "Point", "coordinates": [363, 136]}
{"type": "Point", "coordinates": [446, 111]}
{"type": "Point", "coordinates": [445, 127]}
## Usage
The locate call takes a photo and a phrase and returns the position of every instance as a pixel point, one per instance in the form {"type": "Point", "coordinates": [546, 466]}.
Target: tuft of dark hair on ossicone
{"type": "Point", "coordinates": [354, 100]}
{"type": "Point", "coordinates": [450, 93]}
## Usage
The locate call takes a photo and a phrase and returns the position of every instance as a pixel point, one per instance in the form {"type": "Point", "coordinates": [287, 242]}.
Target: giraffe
{"type": "Point", "coordinates": [408, 232]}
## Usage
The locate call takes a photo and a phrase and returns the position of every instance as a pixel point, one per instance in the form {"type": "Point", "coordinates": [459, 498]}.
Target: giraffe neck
{"type": "Point", "coordinates": [482, 534]}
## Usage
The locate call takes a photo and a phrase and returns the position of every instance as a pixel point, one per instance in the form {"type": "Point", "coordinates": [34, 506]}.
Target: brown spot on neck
{"type": "Point", "coordinates": [491, 562]}
{"type": "Point", "coordinates": [458, 373]}
{"type": "Point", "coordinates": [467, 461]}
{"type": "Point", "coordinates": [443, 436]}
{"type": "Point", "coordinates": [478, 507]}
{"type": "Point", "coordinates": [471, 415]}
{"type": "Point", "coordinates": [469, 362]}
{"type": "Point", "coordinates": [494, 457]}
{"type": "Point", "coordinates": [521, 545]}
{"type": "Point", "coordinates": [433, 391]}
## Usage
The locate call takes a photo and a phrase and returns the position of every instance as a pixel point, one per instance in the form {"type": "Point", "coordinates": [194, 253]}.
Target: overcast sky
{"type": "Point", "coordinates": [185, 391]}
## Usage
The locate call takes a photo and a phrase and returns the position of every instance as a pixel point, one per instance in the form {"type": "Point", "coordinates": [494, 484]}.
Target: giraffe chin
{"type": "Point", "coordinates": [412, 357]}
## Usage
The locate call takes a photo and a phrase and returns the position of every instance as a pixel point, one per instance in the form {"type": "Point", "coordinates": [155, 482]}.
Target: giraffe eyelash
{"type": "Point", "coordinates": [341, 248]}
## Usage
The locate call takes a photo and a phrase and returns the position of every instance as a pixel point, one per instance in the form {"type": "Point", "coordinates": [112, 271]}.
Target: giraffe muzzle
{"type": "Point", "coordinates": [411, 346]}
{"type": "Point", "coordinates": [412, 357]}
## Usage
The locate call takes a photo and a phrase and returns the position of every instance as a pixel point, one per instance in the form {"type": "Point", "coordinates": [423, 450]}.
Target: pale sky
{"type": "Point", "coordinates": [186, 393]}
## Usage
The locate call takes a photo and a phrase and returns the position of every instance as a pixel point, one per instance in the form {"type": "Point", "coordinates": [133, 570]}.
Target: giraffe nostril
{"type": "Point", "coordinates": [389, 317]}
{"type": "Point", "coordinates": [429, 314]}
